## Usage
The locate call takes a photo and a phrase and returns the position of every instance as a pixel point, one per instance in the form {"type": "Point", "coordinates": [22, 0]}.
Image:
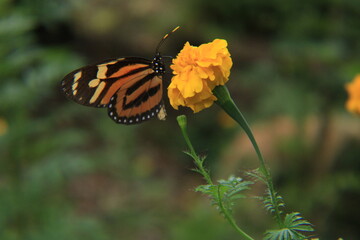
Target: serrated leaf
{"type": "Point", "coordinates": [257, 175]}
{"type": "Point", "coordinates": [296, 222]}
{"type": "Point", "coordinates": [206, 189]}
{"type": "Point", "coordinates": [227, 191]}
{"type": "Point", "coordinates": [294, 226]}
{"type": "Point", "coordinates": [284, 234]}
{"type": "Point", "coordinates": [271, 203]}
{"type": "Point", "coordinates": [188, 153]}
{"type": "Point", "coordinates": [202, 158]}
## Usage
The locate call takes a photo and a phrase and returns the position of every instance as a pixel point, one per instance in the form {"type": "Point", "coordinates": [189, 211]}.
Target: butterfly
{"type": "Point", "coordinates": [130, 88]}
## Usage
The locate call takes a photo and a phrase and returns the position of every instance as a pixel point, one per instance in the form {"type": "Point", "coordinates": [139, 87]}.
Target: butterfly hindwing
{"type": "Point", "coordinates": [137, 102]}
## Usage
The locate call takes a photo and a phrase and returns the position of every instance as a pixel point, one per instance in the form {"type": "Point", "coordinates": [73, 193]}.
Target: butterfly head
{"type": "Point", "coordinates": [158, 65]}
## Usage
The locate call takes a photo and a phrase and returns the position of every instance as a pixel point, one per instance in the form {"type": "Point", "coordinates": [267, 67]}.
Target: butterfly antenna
{"type": "Point", "coordinates": [164, 38]}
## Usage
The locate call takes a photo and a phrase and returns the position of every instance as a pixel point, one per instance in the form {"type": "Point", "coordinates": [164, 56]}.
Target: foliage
{"type": "Point", "coordinates": [225, 193]}
{"type": "Point", "coordinates": [35, 163]}
{"type": "Point", "coordinates": [270, 202]}
{"type": "Point", "coordinates": [294, 224]}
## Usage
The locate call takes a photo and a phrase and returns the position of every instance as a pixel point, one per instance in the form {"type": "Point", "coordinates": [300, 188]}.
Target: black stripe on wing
{"type": "Point", "coordinates": [132, 119]}
{"type": "Point", "coordinates": [127, 108]}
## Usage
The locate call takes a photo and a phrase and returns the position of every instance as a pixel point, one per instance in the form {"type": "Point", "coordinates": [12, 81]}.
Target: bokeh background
{"type": "Point", "coordinates": [69, 172]}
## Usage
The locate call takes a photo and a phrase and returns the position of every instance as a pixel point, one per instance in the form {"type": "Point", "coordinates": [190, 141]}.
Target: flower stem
{"type": "Point", "coordinates": [227, 104]}
{"type": "Point", "coordinates": [201, 169]}
{"type": "Point", "coordinates": [230, 218]}
{"type": "Point", "coordinates": [198, 161]}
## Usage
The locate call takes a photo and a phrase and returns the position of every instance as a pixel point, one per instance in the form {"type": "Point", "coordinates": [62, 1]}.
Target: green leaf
{"type": "Point", "coordinates": [272, 203]}
{"type": "Point", "coordinates": [294, 227]}
{"type": "Point", "coordinates": [227, 191]}
{"type": "Point", "coordinates": [257, 175]}
{"type": "Point", "coordinates": [295, 222]}
{"type": "Point", "coordinates": [209, 190]}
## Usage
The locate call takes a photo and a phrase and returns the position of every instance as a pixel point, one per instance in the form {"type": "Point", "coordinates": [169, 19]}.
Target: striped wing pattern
{"type": "Point", "coordinates": [131, 88]}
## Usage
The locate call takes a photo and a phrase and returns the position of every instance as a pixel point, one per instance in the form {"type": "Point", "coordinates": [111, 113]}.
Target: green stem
{"type": "Point", "coordinates": [230, 218]}
{"type": "Point", "coordinates": [227, 104]}
{"type": "Point", "coordinates": [198, 161]}
{"type": "Point", "coordinates": [201, 169]}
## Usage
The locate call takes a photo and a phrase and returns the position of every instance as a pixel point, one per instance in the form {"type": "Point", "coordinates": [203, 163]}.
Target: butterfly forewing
{"type": "Point", "coordinates": [90, 85]}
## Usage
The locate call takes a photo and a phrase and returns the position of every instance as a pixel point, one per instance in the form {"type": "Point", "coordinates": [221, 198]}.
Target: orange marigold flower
{"type": "Point", "coordinates": [3, 126]}
{"type": "Point", "coordinates": [197, 71]}
{"type": "Point", "coordinates": [353, 89]}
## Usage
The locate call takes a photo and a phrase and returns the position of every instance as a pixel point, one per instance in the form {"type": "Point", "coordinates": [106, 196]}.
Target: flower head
{"type": "Point", "coordinates": [197, 71]}
{"type": "Point", "coordinates": [353, 89]}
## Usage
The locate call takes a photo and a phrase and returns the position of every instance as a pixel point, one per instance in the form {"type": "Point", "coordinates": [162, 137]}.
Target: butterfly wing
{"type": "Point", "coordinates": [129, 87]}
{"type": "Point", "coordinates": [138, 101]}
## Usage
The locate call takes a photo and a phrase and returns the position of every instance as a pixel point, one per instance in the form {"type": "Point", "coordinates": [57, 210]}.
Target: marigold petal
{"type": "Point", "coordinates": [193, 86]}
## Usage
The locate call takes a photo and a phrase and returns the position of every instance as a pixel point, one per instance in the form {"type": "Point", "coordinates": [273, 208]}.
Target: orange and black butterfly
{"type": "Point", "coordinates": [130, 88]}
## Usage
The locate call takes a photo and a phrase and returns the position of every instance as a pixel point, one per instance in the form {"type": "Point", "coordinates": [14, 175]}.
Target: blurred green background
{"type": "Point", "coordinates": [69, 172]}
